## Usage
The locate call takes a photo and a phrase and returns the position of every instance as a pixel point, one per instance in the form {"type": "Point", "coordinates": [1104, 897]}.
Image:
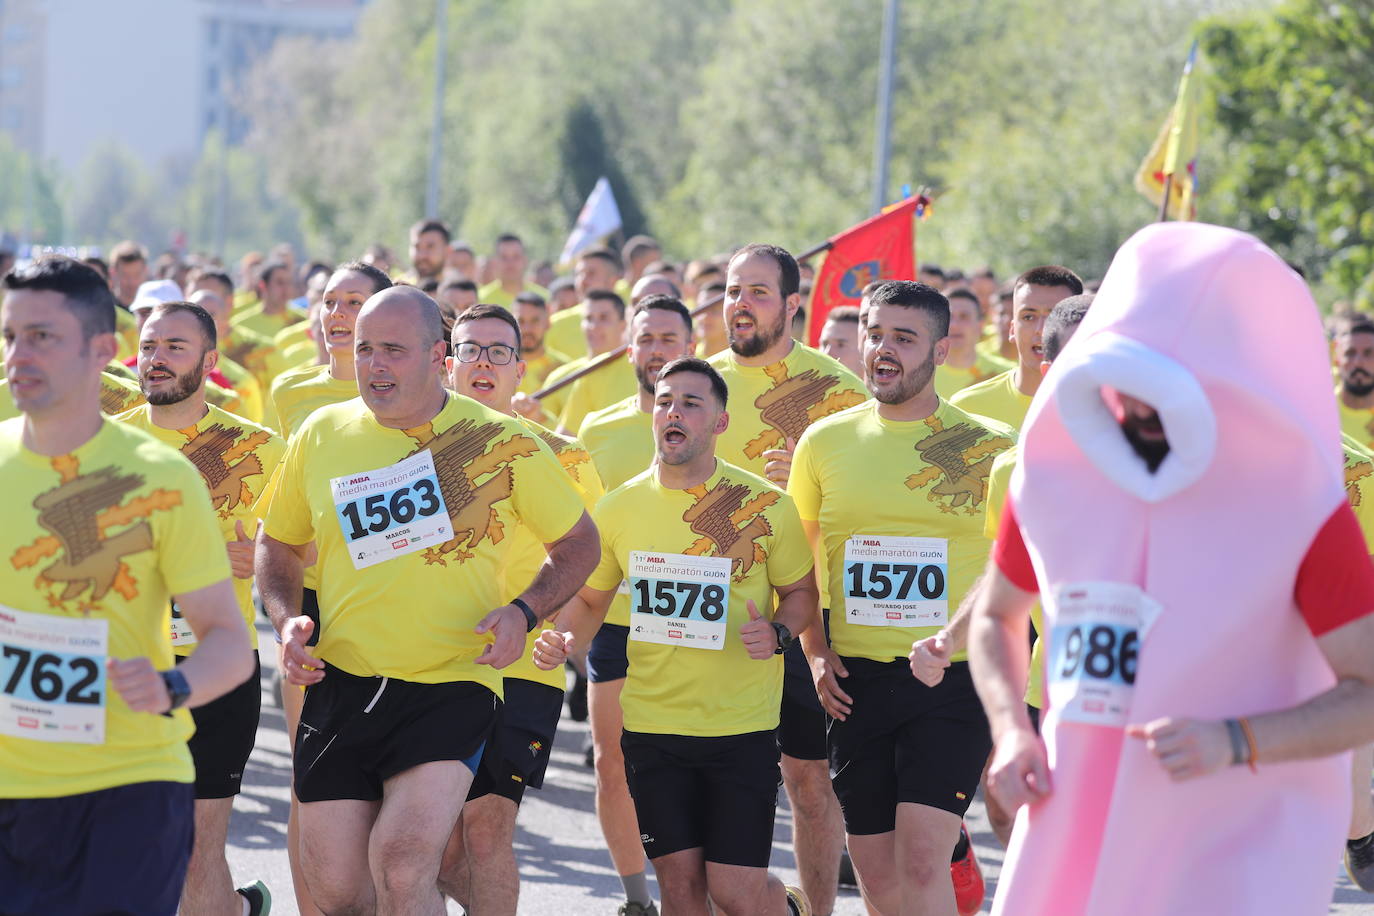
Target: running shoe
{"type": "Point", "coordinates": [969, 888]}
{"type": "Point", "coordinates": [635, 908]}
{"type": "Point", "coordinates": [797, 904]}
{"type": "Point", "coordinates": [1359, 863]}
{"type": "Point", "coordinates": [259, 898]}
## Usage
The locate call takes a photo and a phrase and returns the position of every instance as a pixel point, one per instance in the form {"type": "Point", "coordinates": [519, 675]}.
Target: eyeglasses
{"type": "Point", "coordinates": [497, 354]}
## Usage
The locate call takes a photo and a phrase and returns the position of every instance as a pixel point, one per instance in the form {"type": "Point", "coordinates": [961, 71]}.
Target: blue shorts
{"type": "Point", "coordinates": [120, 850]}
{"type": "Point", "coordinates": [606, 659]}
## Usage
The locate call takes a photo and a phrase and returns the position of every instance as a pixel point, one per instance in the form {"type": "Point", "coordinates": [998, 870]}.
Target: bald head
{"type": "Point", "coordinates": [654, 285]}
{"type": "Point", "coordinates": [416, 309]}
{"type": "Point", "coordinates": [214, 304]}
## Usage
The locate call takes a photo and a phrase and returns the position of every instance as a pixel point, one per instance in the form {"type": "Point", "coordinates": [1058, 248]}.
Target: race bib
{"type": "Point", "coordinates": [679, 600]}
{"type": "Point", "coordinates": [52, 677]}
{"type": "Point", "coordinates": [896, 581]}
{"type": "Point", "coordinates": [1095, 644]}
{"type": "Point", "coordinates": [182, 634]}
{"type": "Point", "coordinates": [392, 511]}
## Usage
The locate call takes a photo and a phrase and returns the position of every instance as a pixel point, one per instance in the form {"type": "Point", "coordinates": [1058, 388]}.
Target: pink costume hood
{"type": "Point", "coordinates": [1223, 339]}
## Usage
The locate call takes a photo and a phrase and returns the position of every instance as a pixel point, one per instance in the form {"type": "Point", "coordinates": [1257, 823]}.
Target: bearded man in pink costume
{"type": "Point", "coordinates": [1178, 508]}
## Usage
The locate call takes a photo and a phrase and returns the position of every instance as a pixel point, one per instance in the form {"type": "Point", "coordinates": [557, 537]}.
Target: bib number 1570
{"type": "Point", "coordinates": [894, 580]}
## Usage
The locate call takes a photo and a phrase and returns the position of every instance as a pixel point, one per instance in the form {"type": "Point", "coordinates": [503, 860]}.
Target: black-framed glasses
{"type": "Point", "coordinates": [497, 354]}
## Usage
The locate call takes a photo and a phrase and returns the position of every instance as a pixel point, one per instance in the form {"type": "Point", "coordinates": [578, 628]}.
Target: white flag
{"type": "Point", "coordinates": [599, 218]}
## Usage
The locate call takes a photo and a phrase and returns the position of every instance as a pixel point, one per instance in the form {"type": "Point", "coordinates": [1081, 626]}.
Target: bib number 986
{"type": "Point", "coordinates": [1103, 652]}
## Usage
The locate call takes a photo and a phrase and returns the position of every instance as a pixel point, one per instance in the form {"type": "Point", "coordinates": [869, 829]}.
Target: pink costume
{"type": "Point", "coordinates": [1223, 339]}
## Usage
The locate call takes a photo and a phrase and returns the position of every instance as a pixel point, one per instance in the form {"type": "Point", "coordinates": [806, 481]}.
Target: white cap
{"type": "Point", "coordinates": [155, 292]}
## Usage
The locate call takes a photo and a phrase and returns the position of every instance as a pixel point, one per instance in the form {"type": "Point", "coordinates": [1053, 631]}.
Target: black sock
{"type": "Point", "coordinates": [960, 848]}
{"type": "Point", "coordinates": [1361, 842]}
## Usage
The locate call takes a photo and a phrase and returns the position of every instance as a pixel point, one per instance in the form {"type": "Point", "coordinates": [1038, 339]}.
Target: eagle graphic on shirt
{"type": "Point", "coordinates": [1357, 468]}
{"type": "Point", "coordinates": [960, 458]}
{"type": "Point", "coordinates": [79, 515]}
{"type": "Point", "coordinates": [730, 522]}
{"type": "Point", "coordinates": [569, 452]}
{"type": "Point", "coordinates": [475, 474]}
{"type": "Point", "coordinates": [225, 458]}
{"type": "Point", "coordinates": [794, 403]}
{"type": "Point", "coordinates": [115, 398]}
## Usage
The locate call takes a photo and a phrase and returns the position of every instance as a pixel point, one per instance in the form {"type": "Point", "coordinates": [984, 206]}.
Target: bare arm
{"type": "Point", "coordinates": [578, 622]}
{"type": "Point", "coordinates": [930, 657]}
{"type": "Point", "coordinates": [280, 571]}
{"type": "Point", "coordinates": [825, 664]}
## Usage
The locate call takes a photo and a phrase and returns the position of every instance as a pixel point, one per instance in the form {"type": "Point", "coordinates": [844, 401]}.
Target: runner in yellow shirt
{"type": "Point", "coordinates": [902, 545]}
{"type": "Point", "coordinates": [248, 348]}
{"type": "Point", "coordinates": [532, 312]}
{"type": "Point", "coordinates": [104, 528]}
{"type": "Point", "coordinates": [705, 547]}
{"type": "Point", "coordinates": [409, 494]}
{"type": "Point", "coordinates": [479, 869]}
{"type": "Point", "coordinates": [117, 395]}
{"type": "Point", "coordinates": [621, 441]}
{"type": "Point", "coordinates": [1006, 397]}
{"type": "Point", "coordinates": [295, 396]}
{"type": "Point", "coordinates": [273, 310]}
{"type": "Point", "coordinates": [1354, 346]}
{"type": "Point", "coordinates": [509, 260]}
{"type": "Point", "coordinates": [840, 338]}
{"type": "Point", "coordinates": [603, 324]}
{"type": "Point", "coordinates": [235, 459]}
{"type": "Point", "coordinates": [779, 387]}
{"type": "Point", "coordinates": [964, 365]}
{"type": "Point", "coordinates": [596, 269]}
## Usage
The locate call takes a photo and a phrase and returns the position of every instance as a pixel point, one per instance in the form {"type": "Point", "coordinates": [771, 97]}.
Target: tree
{"type": "Point", "coordinates": [585, 159]}
{"type": "Point", "coordinates": [30, 202]}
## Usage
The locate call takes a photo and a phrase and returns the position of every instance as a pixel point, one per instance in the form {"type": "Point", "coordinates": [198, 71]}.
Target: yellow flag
{"type": "Point", "coordinates": [1174, 151]}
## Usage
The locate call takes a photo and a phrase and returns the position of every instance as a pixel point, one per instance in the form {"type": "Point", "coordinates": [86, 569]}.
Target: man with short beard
{"type": "Point", "coordinates": [532, 313]}
{"type": "Point", "coordinates": [429, 251]}
{"type": "Point", "coordinates": [621, 441]}
{"type": "Point", "coordinates": [891, 494]}
{"type": "Point", "coordinates": [1355, 364]}
{"type": "Point", "coordinates": [177, 349]}
{"type": "Point", "coordinates": [778, 387]}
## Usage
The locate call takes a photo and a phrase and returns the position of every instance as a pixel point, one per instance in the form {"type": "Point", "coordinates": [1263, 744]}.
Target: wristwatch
{"type": "Point", "coordinates": [785, 637]}
{"type": "Point", "coordinates": [531, 621]}
{"type": "Point", "coordinates": [177, 687]}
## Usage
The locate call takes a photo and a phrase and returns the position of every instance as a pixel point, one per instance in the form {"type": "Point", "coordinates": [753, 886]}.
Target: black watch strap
{"type": "Point", "coordinates": [178, 688]}
{"type": "Point", "coordinates": [531, 621]}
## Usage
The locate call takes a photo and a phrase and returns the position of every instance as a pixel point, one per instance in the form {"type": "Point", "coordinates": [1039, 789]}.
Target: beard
{"type": "Point", "coordinates": [530, 344]}
{"type": "Point", "coordinates": [186, 385]}
{"type": "Point", "coordinates": [647, 377]}
{"type": "Point", "coordinates": [1153, 449]}
{"type": "Point", "coordinates": [763, 337]}
{"type": "Point", "coordinates": [912, 382]}
{"type": "Point", "coordinates": [1358, 383]}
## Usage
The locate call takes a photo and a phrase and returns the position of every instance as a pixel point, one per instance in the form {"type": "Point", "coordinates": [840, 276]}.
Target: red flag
{"type": "Point", "coordinates": [880, 248]}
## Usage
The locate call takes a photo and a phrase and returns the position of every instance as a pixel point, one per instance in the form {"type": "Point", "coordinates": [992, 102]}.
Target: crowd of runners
{"type": "Point", "coordinates": [750, 563]}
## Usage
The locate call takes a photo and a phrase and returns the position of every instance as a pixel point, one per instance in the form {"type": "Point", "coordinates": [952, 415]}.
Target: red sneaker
{"type": "Point", "coordinates": [969, 888]}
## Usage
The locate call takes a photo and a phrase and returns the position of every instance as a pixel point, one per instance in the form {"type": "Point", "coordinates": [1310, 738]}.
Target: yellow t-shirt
{"type": "Point", "coordinates": [255, 319]}
{"type": "Point", "coordinates": [411, 614]}
{"type": "Point", "coordinates": [999, 481]}
{"type": "Point", "coordinates": [105, 534]}
{"type": "Point", "coordinates": [596, 390]}
{"type": "Point", "coordinates": [292, 334]}
{"type": "Point", "coordinates": [949, 379]}
{"type": "Point", "coordinates": [863, 478]}
{"type": "Point", "coordinates": [527, 552]}
{"type": "Point", "coordinates": [235, 459]}
{"type": "Point", "coordinates": [565, 332]}
{"type": "Point", "coordinates": [769, 404]}
{"type": "Point", "coordinates": [246, 387]}
{"type": "Point", "coordinates": [1358, 424]}
{"type": "Point", "coordinates": [250, 350]}
{"type": "Point", "coordinates": [678, 689]}
{"type": "Point", "coordinates": [1359, 486]}
{"type": "Point", "coordinates": [620, 439]}
{"type": "Point", "coordinates": [495, 294]}
{"type": "Point", "coordinates": [998, 399]}
{"type": "Point", "coordinates": [300, 392]}
{"type": "Point", "coordinates": [554, 403]}
{"type": "Point", "coordinates": [536, 370]}
{"type": "Point", "coordinates": [126, 334]}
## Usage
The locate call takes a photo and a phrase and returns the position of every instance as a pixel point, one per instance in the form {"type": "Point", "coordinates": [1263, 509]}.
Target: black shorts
{"type": "Point", "coordinates": [718, 794]}
{"type": "Point", "coordinates": [906, 742]}
{"type": "Point", "coordinates": [606, 658]}
{"type": "Point", "coordinates": [801, 721]}
{"type": "Point", "coordinates": [120, 850]}
{"type": "Point", "coordinates": [521, 741]}
{"type": "Point", "coordinates": [226, 730]}
{"type": "Point", "coordinates": [358, 732]}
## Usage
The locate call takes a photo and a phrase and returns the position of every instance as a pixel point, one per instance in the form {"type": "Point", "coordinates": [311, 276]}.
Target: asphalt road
{"type": "Point", "coordinates": [564, 868]}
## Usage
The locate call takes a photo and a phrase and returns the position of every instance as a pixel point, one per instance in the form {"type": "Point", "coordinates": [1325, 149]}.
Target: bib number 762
{"type": "Point", "coordinates": [45, 676]}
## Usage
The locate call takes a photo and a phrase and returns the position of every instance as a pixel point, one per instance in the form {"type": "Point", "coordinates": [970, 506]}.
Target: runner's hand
{"type": "Point", "coordinates": [240, 553]}
{"type": "Point", "coordinates": [526, 406]}
{"type": "Point", "coordinates": [759, 637]}
{"type": "Point", "coordinates": [1019, 773]}
{"type": "Point", "coordinates": [507, 625]}
{"type": "Point", "coordinates": [139, 683]}
{"type": "Point", "coordinates": [301, 668]}
{"type": "Point", "coordinates": [1186, 748]}
{"type": "Point", "coordinates": [778, 462]}
{"type": "Point", "coordinates": [929, 658]}
{"type": "Point", "coordinates": [824, 671]}
{"type": "Point", "coordinates": [552, 649]}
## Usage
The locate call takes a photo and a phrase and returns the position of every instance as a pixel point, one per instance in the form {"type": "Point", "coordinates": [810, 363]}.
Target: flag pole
{"type": "Point", "coordinates": [1164, 200]}
{"type": "Point", "coordinates": [606, 359]}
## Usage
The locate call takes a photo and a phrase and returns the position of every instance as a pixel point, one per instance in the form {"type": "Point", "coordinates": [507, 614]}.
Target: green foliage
{"type": "Point", "coordinates": [1295, 100]}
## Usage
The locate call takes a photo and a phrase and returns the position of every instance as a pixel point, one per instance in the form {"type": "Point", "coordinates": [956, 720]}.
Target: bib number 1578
{"type": "Point", "coordinates": [679, 599]}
